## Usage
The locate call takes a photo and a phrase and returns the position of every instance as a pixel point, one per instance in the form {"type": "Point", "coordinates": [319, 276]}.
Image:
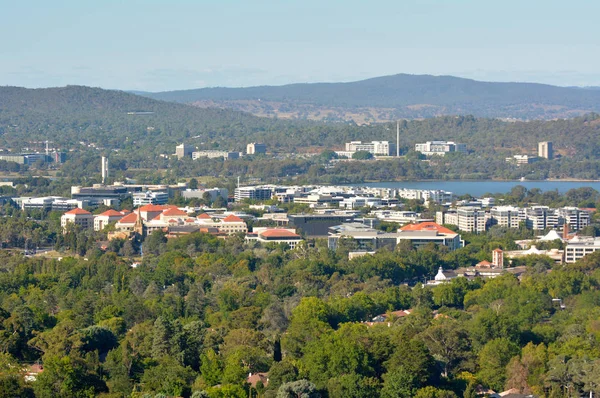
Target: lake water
{"type": "Point", "coordinates": [479, 188]}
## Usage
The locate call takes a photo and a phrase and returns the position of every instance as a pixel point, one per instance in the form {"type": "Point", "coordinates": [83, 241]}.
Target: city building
{"type": "Point", "coordinates": [579, 247]}
{"type": "Point", "coordinates": [275, 235]}
{"type": "Point", "coordinates": [358, 202]}
{"type": "Point", "coordinates": [540, 217]}
{"type": "Point", "coordinates": [317, 225]}
{"type": "Point", "coordinates": [369, 239]}
{"type": "Point", "coordinates": [437, 196]}
{"type": "Point", "coordinates": [545, 150]}
{"type": "Point", "coordinates": [109, 216]}
{"type": "Point", "coordinates": [253, 193]}
{"type": "Point", "coordinates": [184, 151]}
{"type": "Point", "coordinates": [506, 216]}
{"type": "Point", "coordinates": [78, 217]}
{"type": "Point", "coordinates": [576, 218]}
{"type": "Point", "coordinates": [377, 148]}
{"type": "Point", "coordinates": [440, 148]}
{"type": "Point", "coordinates": [200, 193]}
{"type": "Point", "coordinates": [522, 159]}
{"type": "Point", "coordinates": [150, 198]}
{"type": "Point", "coordinates": [498, 258]}
{"type": "Point", "coordinates": [215, 154]}
{"type": "Point", "coordinates": [256, 148]}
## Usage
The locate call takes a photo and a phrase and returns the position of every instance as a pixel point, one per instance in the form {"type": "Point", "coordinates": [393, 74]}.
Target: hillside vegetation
{"type": "Point", "coordinates": [398, 96]}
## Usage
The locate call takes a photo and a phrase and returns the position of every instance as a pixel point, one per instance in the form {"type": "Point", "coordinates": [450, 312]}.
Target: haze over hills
{"type": "Point", "coordinates": [399, 96]}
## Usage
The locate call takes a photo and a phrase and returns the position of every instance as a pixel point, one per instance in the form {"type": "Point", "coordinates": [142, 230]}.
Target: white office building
{"type": "Point", "coordinates": [150, 198]}
{"type": "Point", "coordinates": [440, 147]}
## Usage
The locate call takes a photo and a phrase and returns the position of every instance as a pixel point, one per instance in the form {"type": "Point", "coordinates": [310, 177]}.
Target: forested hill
{"type": "Point", "coordinates": [141, 126]}
{"type": "Point", "coordinates": [397, 96]}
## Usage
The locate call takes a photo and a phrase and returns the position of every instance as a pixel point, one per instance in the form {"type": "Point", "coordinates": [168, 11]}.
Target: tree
{"type": "Point", "coordinates": [493, 358]}
{"type": "Point", "coordinates": [64, 377]}
{"type": "Point", "coordinates": [362, 155]}
{"type": "Point", "coordinates": [398, 383]}
{"type": "Point", "coordinates": [352, 386]}
{"type": "Point", "coordinates": [193, 184]}
{"type": "Point", "coordinates": [298, 389]}
{"type": "Point", "coordinates": [448, 342]}
{"type": "Point", "coordinates": [432, 392]}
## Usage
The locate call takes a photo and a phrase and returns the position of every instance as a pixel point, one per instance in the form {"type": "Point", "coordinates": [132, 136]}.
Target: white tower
{"type": "Point", "coordinates": [398, 139]}
{"type": "Point", "coordinates": [104, 169]}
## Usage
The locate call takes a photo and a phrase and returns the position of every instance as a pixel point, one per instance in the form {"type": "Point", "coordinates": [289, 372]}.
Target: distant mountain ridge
{"type": "Point", "coordinates": [398, 96]}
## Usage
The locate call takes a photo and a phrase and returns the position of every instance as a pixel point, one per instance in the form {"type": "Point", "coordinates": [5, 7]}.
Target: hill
{"type": "Point", "coordinates": [398, 96]}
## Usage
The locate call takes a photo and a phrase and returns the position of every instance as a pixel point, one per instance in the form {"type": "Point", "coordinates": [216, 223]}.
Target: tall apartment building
{"type": "Point", "coordinates": [183, 151]}
{"type": "Point", "coordinates": [255, 148]}
{"type": "Point", "coordinates": [576, 218]}
{"type": "Point", "coordinates": [440, 147]}
{"type": "Point", "coordinates": [382, 148]}
{"type": "Point", "coordinates": [541, 217]}
{"type": "Point", "coordinates": [507, 216]}
{"type": "Point", "coordinates": [471, 219]}
{"type": "Point", "coordinates": [545, 150]}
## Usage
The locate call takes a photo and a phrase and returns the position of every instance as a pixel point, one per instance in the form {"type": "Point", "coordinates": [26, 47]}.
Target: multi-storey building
{"type": "Point", "coordinates": [150, 198]}
{"type": "Point", "coordinates": [253, 193]}
{"type": "Point", "coordinates": [522, 159]}
{"type": "Point", "coordinates": [78, 217]}
{"type": "Point", "coordinates": [471, 219]}
{"type": "Point", "coordinates": [255, 148]}
{"type": "Point", "coordinates": [541, 217]}
{"type": "Point", "coordinates": [184, 151]}
{"type": "Point", "coordinates": [381, 148]}
{"type": "Point", "coordinates": [440, 147]}
{"type": "Point", "coordinates": [506, 216]}
{"type": "Point", "coordinates": [437, 196]}
{"type": "Point", "coordinates": [579, 247]}
{"type": "Point", "coordinates": [214, 154]}
{"type": "Point", "coordinates": [576, 218]}
{"type": "Point", "coordinates": [545, 150]}
{"type": "Point", "coordinates": [109, 216]}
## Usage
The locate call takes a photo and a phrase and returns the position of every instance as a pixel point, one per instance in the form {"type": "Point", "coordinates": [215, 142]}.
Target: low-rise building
{"type": "Point", "coordinates": [275, 235]}
{"type": "Point", "coordinates": [579, 247]}
{"type": "Point", "coordinates": [109, 216]}
{"type": "Point", "coordinates": [440, 148]}
{"type": "Point", "coordinates": [215, 154]}
{"type": "Point", "coordinates": [150, 198]}
{"type": "Point", "coordinates": [79, 217]}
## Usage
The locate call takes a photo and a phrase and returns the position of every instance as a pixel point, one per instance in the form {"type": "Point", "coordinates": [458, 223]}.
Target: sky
{"type": "Point", "coordinates": [156, 45]}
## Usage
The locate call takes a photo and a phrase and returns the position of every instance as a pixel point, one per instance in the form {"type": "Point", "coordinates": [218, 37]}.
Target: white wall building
{"type": "Point", "coordinates": [440, 147]}
{"type": "Point", "coordinates": [150, 198]}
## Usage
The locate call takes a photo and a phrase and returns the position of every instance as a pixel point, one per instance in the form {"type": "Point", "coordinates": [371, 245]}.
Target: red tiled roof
{"type": "Point", "coordinates": [130, 218]}
{"type": "Point", "coordinates": [232, 218]}
{"type": "Point", "coordinates": [153, 208]}
{"type": "Point", "coordinates": [157, 218]}
{"type": "Point", "coordinates": [497, 250]}
{"type": "Point", "coordinates": [111, 213]}
{"type": "Point", "coordinates": [174, 212]}
{"type": "Point", "coordinates": [78, 211]}
{"type": "Point", "coordinates": [278, 233]}
{"type": "Point", "coordinates": [204, 216]}
{"type": "Point", "coordinates": [189, 220]}
{"type": "Point", "coordinates": [253, 379]}
{"type": "Point", "coordinates": [427, 226]}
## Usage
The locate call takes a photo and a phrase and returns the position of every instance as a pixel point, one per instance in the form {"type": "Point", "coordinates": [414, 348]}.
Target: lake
{"type": "Point", "coordinates": [478, 188]}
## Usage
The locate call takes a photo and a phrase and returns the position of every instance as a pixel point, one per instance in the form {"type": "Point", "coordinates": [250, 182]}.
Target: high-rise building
{"type": "Point", "coordinates": [545, 150]}
{"type": "Point", "coordinates": [183, 151]}
{"type": "Point", "coordinates": [256, 148]}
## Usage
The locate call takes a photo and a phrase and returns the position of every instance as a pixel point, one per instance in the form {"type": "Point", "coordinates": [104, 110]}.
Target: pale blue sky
{"type": "Point", "coordinates": [177, 44]}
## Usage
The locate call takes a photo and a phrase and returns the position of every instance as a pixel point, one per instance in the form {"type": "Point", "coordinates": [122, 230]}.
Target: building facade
{"type": "Point", "coordinates": [255, 148]}
{"type": "Point", "coordinates": [545, 150]}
